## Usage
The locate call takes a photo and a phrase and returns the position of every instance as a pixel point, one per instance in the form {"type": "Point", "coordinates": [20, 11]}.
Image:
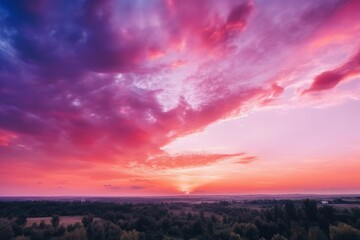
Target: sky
{"type": "Point", "coordinates": [175, 97]}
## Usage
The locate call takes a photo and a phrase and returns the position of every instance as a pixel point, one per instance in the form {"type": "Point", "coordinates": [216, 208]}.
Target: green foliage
{"type": "Point", "coordinates": [77, 234]}
{"type": "Point", "coordinates": [73, 227]}
{"type": "Point", "coordinates": [343, 231]}
{"type": "Point", "coordinates": [130, 235]}
{"type": "Point", "coordinates": [298, 232]}
{"type": "Point", "coordinates": [268, 219]}
{"type": "Point", "coordinates": [112, 231]}
{"type": "Point", "coordinates": [316, 233]}
{"type": "Point", "coordinates": [99, 231]}
{"type": "Point", "coordinates": [247, 230]}
{"type": "Point", "coordinates": [278, 237]}
{"type": "Point", "coordinates": [235, 236]}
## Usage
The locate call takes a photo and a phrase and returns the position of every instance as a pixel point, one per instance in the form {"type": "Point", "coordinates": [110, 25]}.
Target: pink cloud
{"type": "Point", "coordinates": [330, 79]}
{"type": "Point", "coordinates": [6, 138]}
{"type": "Point", "coordinates": [247, 159]}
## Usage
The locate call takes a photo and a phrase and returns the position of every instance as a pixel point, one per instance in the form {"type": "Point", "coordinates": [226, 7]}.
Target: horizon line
{"type": "Point", "coordinates": [179, 195]}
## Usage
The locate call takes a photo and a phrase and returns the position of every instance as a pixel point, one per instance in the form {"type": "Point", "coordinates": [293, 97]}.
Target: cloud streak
{"type": "Point", "coordinates": [330, 79]}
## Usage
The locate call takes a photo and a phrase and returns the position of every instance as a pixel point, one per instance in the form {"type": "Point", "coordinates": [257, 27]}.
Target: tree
{"type": "Point", "coordinates": [77, 234]}
{"type": "Point", "coordinates": [298, 232]}
{"type": "Point", "coordinates": [315, 233]}
{"type": "Point", "coordinates": [42, 224]}
{"type": "Point", "coordinates": [73, 227]}
{"type": "Point", "coordinates": [110, 216]}
{"type": "Point", "coordinates": [113, 232]}
{"type": "Point", "coordinates": [21, 220]}
{"type": "Point", "coordinates": [214, 218]}
{"type": "Point", "coordinates": [278, 237]}
{"type": "Point", "coordinates": [59, 231]}
{"type": "Point", "coordinates": [310, 209]}
{"type": "Point", "coordinates": [48, 232]}
{"type": "Point", "coordinates": [290, 210]}
{"type": "Point", "coordinates": [247, 230]}
{"type": "Point", "coordinates": [88, 219]}
{"type": "Point", "coordinates": [328, 212]}
{"type": "Point", "coordinates": [235, 236]}
{"type": "Point", "coordinates": [99, 232]}
{"type": "Point", "coordinates": [266, 228]}
{"type": "Point", "coordinates": [55, 220]}
{"type": "Point", "coordinates": [343, 231]}
{"type": "Point", "coordinates": [6, 231]}
{"type": "Point", "coordinates": [197, 228]}
{"type": "Point", "coordinates": [129, 235]}
{"type": "Point", "coordinates": [90, 232]}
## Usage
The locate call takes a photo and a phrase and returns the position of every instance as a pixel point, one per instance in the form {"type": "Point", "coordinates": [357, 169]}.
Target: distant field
{"type": "Point", "coordinates": [64, 220]}
{"type": "Point", "coordinates": [348, 205]}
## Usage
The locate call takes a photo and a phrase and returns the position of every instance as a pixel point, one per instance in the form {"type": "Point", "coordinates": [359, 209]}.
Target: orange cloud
{"type": "Point", "coordinates": [167, 161]}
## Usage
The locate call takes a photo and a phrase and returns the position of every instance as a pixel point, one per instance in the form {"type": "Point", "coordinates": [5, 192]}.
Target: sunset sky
{"type": "Point", "coordinates": [163, 97]}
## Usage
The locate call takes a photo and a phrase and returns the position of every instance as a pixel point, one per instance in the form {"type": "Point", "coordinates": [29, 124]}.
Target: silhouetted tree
{"type": "Point", "coordinates": [99, 231]}
{"type": "Point", "coordinates": [110, 216]}
{"type": "Point", "coordinates": [315, 233]}
{"type": "Point", "coordinates": [90, 232]}
{"type": "Point", "coordinates": [328, 212]}
{"type": "Point", "coordinates": [73, 227]}
{"type": "Point", "coordinates": [59, 231]}
{"type": "Point", "coordinates": [297, 231]}
{"type": "Point", "coordinates": [247, 230]}
{"type": "Point", "coordinates": [6, 231]}
{"type": "Point", "coordinates": [172, 221]}
{"type": "Point", "coordinates": [290, 210]}
{"type": "Point", "coordinates": [310, 209]}
{"type": "Point", "coordinates": [112, 232]}
{"type": "Point", "coordinates": [77, 234]}
{"type": "Point", "coordinates": [88, 219]}
{"type": "Point", "coordinates": [55, 220]}
{"type": "Point", "coordinates": [197, 228]}
{"type": "Point", "coordinates": [21, 220]}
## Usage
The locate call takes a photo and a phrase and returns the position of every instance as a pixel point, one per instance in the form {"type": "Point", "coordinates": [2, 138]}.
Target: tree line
{"type": "Point", "coordinates": [280, 220]}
